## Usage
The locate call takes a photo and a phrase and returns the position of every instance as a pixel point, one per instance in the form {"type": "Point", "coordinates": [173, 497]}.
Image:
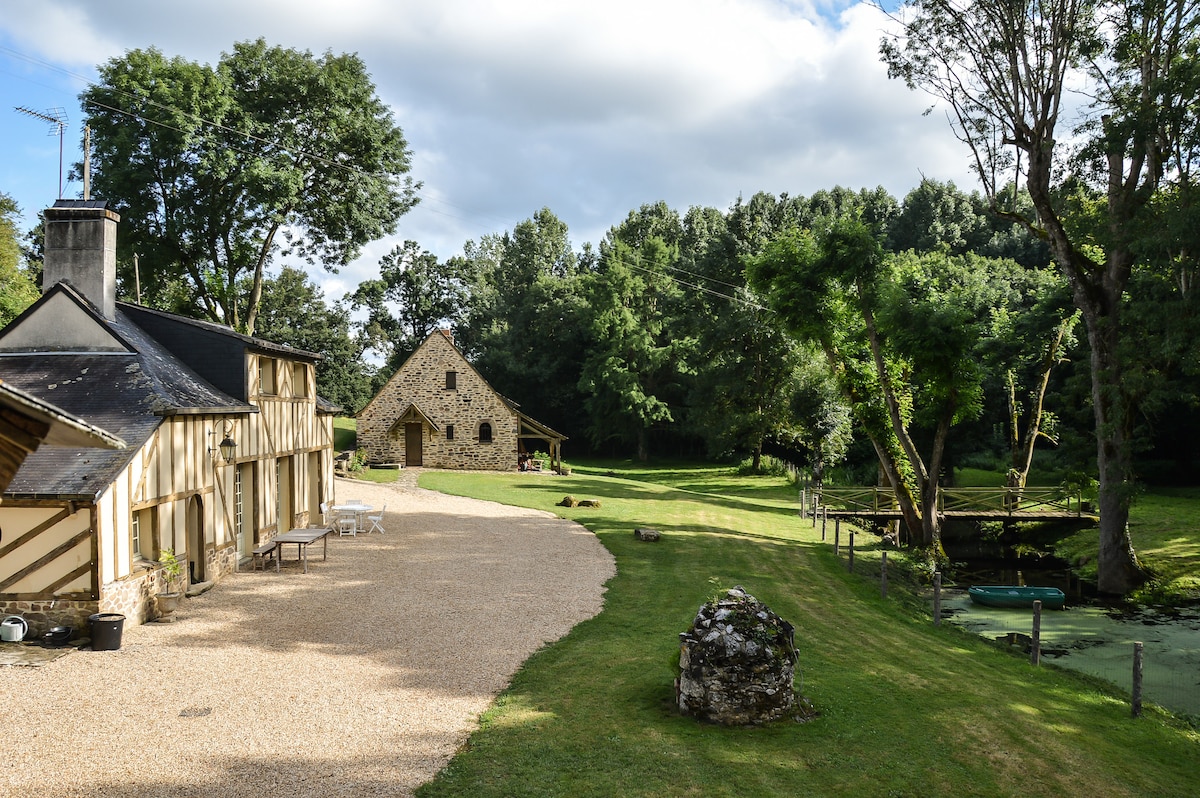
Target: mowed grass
{"type": "Point", "coordinates": [1165, 528]}
{"type": "Point", "coordinates": [1164, 525]}
{"type": "Point", "coordinates": [345, 437]}
{"type": "Point", "coordinates": [906, 709]}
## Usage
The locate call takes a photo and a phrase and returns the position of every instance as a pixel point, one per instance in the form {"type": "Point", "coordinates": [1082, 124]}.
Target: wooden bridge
{"type": "Point", "coordinates": [979, 504]}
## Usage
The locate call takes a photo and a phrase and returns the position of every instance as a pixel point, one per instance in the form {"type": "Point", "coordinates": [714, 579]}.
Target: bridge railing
{"type": "Point", "coordinates": [860, 500]}
{"type": "Point", "coordinates": [1009, 500]}
{"type": "Point", "coordinates": [958, 500]}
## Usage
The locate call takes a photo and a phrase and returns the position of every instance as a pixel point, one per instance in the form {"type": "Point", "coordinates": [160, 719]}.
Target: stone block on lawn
{"type": "Point", "coordinates": [647, 534]}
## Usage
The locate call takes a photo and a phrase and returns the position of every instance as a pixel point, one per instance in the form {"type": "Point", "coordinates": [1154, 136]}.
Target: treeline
{"type": "Point", "coordinates": [730, 334]}
{"type": "Point", "coordinates": [655, 342]}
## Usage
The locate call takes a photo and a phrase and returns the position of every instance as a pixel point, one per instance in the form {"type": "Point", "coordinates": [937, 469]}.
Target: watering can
{"type": "Point", "coordinates": [13, 629]}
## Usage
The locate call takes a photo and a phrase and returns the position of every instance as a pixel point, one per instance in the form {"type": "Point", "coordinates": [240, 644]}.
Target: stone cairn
{"type": "Point", "coordinates": [737, 664]}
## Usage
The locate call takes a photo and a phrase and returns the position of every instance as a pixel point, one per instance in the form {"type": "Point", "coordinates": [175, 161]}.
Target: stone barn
{"type": "Point", "coordinates": [437, 411]}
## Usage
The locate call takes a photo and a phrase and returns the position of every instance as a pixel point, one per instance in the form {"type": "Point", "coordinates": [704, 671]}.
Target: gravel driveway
{"type": "Point", "coordinates": [360, 678]}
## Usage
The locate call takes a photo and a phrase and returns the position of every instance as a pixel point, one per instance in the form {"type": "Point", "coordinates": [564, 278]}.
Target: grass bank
{"type": "Point", "coordinates": [1164, 525]}
{"type": "Point", "coordinates": [905, 709]}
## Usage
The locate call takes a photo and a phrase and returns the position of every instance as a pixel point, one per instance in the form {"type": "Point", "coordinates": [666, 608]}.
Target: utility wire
{"type": "Point", "coordinates": [425, 198]}
{"type": "Point", "coordinates": [326, 161]}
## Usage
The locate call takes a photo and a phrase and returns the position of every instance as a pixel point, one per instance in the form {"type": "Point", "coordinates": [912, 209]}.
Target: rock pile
{"type": "Point", "coordinates": [571, 501]}
{"type": "Point", "coordinates": [737, 663]}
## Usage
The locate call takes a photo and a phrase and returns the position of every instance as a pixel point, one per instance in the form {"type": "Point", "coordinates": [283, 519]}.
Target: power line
{"type": "Point", "coordinates": [314, 157]}
{"type": "Point", "coordinates": [685, 284]}
{"type": "Point", "coordinates": [425, 198]}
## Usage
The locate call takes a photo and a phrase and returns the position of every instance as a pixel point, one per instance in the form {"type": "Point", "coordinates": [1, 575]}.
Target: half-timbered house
{"type": "Point", "coordinates": [227, 441]}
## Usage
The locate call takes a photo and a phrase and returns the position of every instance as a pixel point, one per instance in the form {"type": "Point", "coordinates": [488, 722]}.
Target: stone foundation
{"type": "Point", "coordinates": [132, 597]}
{"type": "Point", "coordinates": [44, 615]}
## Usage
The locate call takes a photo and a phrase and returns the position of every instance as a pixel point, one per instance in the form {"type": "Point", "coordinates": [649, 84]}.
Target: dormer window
{"type": "Point", "coordinates": [267, 383]}
{"type": "Point", "coordinates": [451, 380]}
{"type": "Point", "coordinates": [300, 380]}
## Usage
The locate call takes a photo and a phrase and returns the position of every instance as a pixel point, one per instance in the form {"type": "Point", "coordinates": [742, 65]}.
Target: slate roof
{"type": "Point", "coordinates": [126, 393]}
{"type": "Point", "coordinates": [65, 429]}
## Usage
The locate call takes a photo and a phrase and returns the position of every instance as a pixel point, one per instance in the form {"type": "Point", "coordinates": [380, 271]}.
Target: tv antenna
{"type": "Point", "coordinates": [57, 119]}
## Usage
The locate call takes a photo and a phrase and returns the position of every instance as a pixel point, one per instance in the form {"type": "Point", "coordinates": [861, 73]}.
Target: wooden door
{"type": "Point", "coordinates": [413, 437]}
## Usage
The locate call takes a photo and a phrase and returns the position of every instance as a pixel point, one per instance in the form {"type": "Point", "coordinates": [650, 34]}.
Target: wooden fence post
{"type": "Point", "coordinates": [1136, 693]}
{"type": "Point", "coordinates": [937, 599]}
{"type": "Point", "coordinates": [803, 501]}
{"type": "Point", "coordinates": [883, 573]}
{"type": "Point", "coordinates": [1035, 644]}
{"type": "Point", "coordinates": [837, 537]}
{"type": "Point", "coordinates": [850, 566]}
{"type": "Point", "coordinates": [824, 520]}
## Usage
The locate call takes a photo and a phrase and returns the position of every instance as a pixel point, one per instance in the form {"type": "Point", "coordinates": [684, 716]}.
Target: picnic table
{"type": "Point", "coordinates": [303, 538]}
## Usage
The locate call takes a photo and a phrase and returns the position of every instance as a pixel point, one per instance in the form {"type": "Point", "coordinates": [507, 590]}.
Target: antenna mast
{"type": "Point", "coordinates": [57, 119]}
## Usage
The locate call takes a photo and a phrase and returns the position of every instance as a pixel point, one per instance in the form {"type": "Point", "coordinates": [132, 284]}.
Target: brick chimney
{"type": "Point", "coordinates": [81, 249]}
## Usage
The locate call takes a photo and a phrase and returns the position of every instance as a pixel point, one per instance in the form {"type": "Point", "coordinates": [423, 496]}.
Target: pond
{"type": "Point", "coordinates": [1099, 641]}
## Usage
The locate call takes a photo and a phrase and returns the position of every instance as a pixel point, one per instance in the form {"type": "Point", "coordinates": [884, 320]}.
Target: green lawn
{"type": "Point", "coordinates": [1164, 525]}
{"type": "Point", "coordinates": [905, 709]}
{"type": "Point", "coordinates": [345, 437]}
{"type": "Point", "coordinates": [345, 433]}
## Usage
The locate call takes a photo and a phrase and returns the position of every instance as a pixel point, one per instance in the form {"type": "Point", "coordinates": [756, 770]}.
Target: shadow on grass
{"type": "Point", "coordinates": [602, 487]}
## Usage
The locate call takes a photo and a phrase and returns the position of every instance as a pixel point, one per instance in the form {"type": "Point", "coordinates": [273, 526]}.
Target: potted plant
{"type": "Point", "coordinates": [172, 571]}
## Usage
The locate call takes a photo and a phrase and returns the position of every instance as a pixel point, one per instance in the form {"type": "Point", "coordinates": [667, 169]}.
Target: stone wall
{"type": "Point", "coordinates": [421, 381]}
{"type": "Point", "coordinates": [42, 615]}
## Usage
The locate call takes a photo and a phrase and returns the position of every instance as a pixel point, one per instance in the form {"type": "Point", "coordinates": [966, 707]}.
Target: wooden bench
{"type": "Point", "coordinates": [261, 554]}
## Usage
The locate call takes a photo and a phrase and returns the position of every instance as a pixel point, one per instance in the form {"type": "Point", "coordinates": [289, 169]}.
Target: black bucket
{"type": "Point", "coordinates": [106, 630]}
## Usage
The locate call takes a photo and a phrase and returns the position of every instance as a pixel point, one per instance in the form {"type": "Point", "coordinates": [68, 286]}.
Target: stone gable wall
{"type": "Point", "coordinates": [422, 381]}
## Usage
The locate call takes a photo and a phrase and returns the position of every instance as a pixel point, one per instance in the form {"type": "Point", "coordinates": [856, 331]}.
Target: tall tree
{"type": "Point", "coordinates": [748, 369]}
{"type": "Point", "coordinates": [526, 328]}
{"type": "Point", "coordinates": [294, 312]}
{"type": "Point", "coordinates": [936, 215]}
{"type": "Point", "coordinates": [903, 335]}
{"type": "Point", "coordinates": [17, 288]}
{"type": "Point", "coordinates": [414, 295]}
{"type": "Point", "coordinates": [216, 171]}
{"type": "Point", "coordinates": [635, 357]}
{"type": "Point", "coordinates": [1003, 69]}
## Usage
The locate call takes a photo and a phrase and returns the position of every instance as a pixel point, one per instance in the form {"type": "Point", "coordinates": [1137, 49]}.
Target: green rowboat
{"type": "Point", "coordinates": [1013, 596]}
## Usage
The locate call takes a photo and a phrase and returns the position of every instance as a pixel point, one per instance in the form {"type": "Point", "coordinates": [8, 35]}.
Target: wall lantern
{"type": "Point", "coordinates": [227, 447]}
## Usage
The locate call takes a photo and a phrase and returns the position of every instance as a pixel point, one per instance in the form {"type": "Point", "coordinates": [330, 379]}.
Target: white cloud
{"type": "Point", "coordinates": [590, 109]}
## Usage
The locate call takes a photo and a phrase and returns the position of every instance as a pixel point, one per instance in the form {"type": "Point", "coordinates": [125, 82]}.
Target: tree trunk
{"type": "Point", "coordinates": [1118, 568]}
{"type": "Point", "coordinates": [1097, 289]}
{"type": "Point", "coordinates": [1021, 450]}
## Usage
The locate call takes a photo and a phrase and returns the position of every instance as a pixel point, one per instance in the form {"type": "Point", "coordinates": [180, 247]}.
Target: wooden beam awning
{"type": "Point", "coordinates": [413, 415]}
{"type": "Point", "coordinates": [531, 429]}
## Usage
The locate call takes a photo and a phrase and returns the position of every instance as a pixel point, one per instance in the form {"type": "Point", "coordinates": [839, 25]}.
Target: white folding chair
{"type": "Point", "coordinates": [377, 520]}
{"type": "Point", "coordinates": [347, 525]}
{"type": "Point", "coordinates": [326, 521]}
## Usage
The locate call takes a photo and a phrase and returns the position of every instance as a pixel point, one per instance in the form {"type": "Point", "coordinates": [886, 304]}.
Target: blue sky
{"type": "Point", "coordinates": [591, 109]}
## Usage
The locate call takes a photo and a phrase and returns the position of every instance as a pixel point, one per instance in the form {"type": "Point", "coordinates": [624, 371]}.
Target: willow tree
{"type": "Point", "coordinates": [217, 171]}
{"type": "Point", "coordinates": [1005, 70]}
